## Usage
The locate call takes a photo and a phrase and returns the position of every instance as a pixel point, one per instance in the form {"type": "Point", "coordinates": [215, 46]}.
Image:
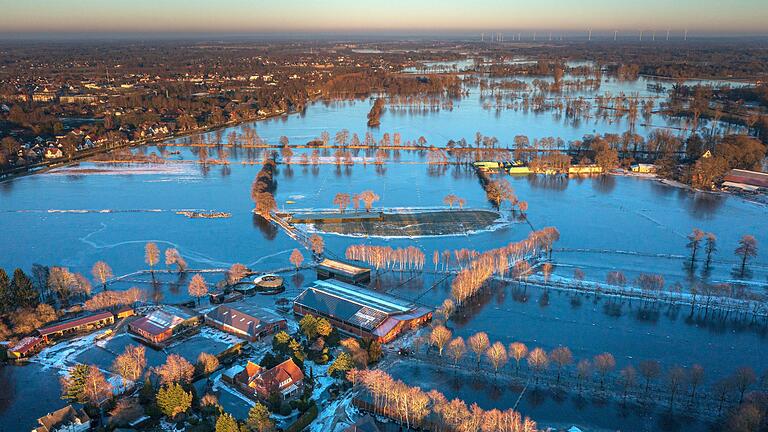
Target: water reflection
{"type": "Point", "coordinates": [550, 182]}
{"type": "Point", "coordinates": [604, 184]}
{"type": "Point", "coordinates": [268, 230]}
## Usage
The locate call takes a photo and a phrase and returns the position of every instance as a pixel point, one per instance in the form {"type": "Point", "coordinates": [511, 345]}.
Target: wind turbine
{"type": "Point", "coordinates": [641, 35]}
{"type": "Point", "coordinates": [615, 35]}
{"type": "Point", "coordinates": [667, 35]}
{"type": "Point", "coordinates": [685, 35]}
{"type": "Point", "coordinates": [590, 35]}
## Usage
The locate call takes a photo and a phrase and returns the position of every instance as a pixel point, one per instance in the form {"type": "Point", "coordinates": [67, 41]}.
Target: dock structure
{"type": "Point", "coordinates": [361, 312]}
{"type": "Point", "coordinates": [343, 271]}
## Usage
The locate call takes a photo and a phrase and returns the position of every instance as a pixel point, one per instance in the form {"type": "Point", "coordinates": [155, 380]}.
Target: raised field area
{"type": "Point", "coordinates": [402, 223]}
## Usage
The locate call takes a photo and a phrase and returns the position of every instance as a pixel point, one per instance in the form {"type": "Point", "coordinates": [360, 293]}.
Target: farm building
{"type": "Point", "coordinates": [746, 180]}
{"type": "Point", "coordinates": [360, 311]}
{"type": "Point", "coordinates": [342, 271]}
{"type": "Point", "coordinates": [247, 322]}
{"type": "Point", "coordinates": [24, 347]}
{"type": "Point", "coordinates": [161, 324]}
{"type": "Point", "coordinates": [86, 323]}
{"type": "Point", "coordinates": [643, 168]}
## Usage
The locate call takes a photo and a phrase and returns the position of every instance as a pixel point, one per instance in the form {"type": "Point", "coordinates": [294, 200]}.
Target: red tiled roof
{"type": "Point", "coordinates": [66, 325]}
{"type": "Point", "coordinates": [268, 381]}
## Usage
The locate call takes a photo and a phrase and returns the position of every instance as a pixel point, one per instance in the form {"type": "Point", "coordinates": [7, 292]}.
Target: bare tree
{"type": "Point", "coordinates": [368, 197]}
{"type": "Point", "coordinates": [628, 377]}
{"type": "Point", "coordinates": [518, 351]}
{"type": "Point", "coordinates": [478, 343]}
{"type": "Point", "coordinates": [317, 244]}
{"type": "Point", "coordinates": [151, 255]}
{"type": "Point", "coordinates": [296, 258]}
{"type": "Point", "coordinates": [710, 247]}
{"type": "Point", "coordinates": [650, 370]}
{"type": "Point", "coordinates": [96, 388]}
{"type": "Point", "coordinates": [131, 363]}
{"type": "Point", "coordinates": [456, 349]}
{"type": "Point", "coordinates": [604, 363]}
{"type": "Point", "coordinates": [675, 378]}
{"type": "Point", "coordinates": [694, 239]}
{"type": "Point", "coordinates": [342, 200]}
{"type": "Point", "coordinates": [102, 272]}
{"type": "Point", "coordinates": [747, 249]}
{"type": "Point", "coordinates": [235, 273]}
{"type": "Point", "coordinates": [175, 370]}
{"type": "Point", "coordinates": [743, 378]}
{"type": "Point", "coordinates": [561, 357]}
{"type": "Point", "coordinates": [695, 378]}
{"type": "Point", "coordinates": [583, 371]}
{"type": "Point", "coordinates": [538, 362]}
{"type": "Point", "coordinates": [197, 287]}
{"type": "Point", "coordinates": [439, 337]}
{"type": "Point", "coordinates": [497, 355]}
{"type": "Point", "coordinates": [208, 363]}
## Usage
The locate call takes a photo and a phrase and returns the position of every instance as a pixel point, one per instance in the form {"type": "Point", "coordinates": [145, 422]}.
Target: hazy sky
{"type": "Point", "coordinates": [237, 16]}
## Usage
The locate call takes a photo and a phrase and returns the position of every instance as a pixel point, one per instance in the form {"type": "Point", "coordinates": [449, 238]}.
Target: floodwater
{"type": "Point", "coordinates": [606, 223]}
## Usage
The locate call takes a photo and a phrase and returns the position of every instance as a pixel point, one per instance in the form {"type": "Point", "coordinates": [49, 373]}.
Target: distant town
{"type": "Point", "coordinates": [469, 234]}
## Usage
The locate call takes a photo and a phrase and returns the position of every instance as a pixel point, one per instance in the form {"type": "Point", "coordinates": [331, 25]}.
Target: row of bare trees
{"type": "Point", "coordinates": [498, 261]}
{"type": "Point", "coordinates": [367, 197]}
{"type": "Point", "coordinates": [385, 257]}
{"type": "Point", "coordinates": [431, 410]}
{"type": "Point", "coordinates": [640, 380]}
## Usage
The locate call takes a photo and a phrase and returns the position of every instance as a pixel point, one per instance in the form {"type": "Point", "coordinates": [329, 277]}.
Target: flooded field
{"type": "Point", "coordinates": [99, 212]}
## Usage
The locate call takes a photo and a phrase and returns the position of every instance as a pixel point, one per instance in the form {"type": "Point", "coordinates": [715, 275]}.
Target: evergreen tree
{"type": "Point", "coordinates": [341, 365]}
{"type": "Point", "coordinates": [73, 386]}
{"type": "Point", "coordinates": [226, 423]}
{"type": "Point", "coordinates": [4, 291]}
{"type": "Point", "coordinates": [258, 419]}
{"type": "Point", "coordinates": [147, 392]}
{"type": "Point", "coordinates": [22, 291]}
{"type": "Point", "coordinates": [173, 400]}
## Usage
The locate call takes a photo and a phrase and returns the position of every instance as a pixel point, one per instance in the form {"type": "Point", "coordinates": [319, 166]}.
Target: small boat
{"type": "Point", "coordinates": [290, 202]}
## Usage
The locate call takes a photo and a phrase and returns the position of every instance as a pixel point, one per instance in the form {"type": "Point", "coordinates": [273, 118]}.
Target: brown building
{"type": "Point", "coordinates": [161, 324]}
{"type": "Point", "coordinates": [285, 379]}
{"type": "Point", "coordinates": [25, 347]}
{"type": "Point", "coordinates": [245, 321]}
{"type": "Point", "coordinates": [343, 271]}
{"type": "Point", "coordinates": [83, 324]}
{"type": "Point", "coordinates": [66, 419]}
{"type": "Point", "coordinates": [359, 311]}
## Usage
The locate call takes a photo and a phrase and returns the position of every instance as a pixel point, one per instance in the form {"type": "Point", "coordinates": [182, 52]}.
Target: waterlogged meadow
{"type": "Point", "coordinates": [76, 216]}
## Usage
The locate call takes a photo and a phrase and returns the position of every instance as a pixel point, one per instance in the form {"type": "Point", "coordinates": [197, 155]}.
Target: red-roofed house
{"type": "Point", "coordinates": [285, 379]}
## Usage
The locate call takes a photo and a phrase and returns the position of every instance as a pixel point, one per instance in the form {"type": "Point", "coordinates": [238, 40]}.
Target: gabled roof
{"type": "Point", "coordinates": [246, 319]}
{"type": "Point", "coordinates": [266, 381]}
{"type": "Point", "coordinates": [61, 417]}
{"type": "Point", "coordinates": [66, 325]}
{"type": "Point", "coordinates": [358, 306]}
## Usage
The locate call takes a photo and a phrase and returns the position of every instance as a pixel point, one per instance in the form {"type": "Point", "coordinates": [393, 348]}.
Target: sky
{"type": "Point", "coordinates": [285, 16]}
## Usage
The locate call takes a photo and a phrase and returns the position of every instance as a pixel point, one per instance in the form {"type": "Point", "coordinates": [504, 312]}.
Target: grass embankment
{"type": "Point", "coordinates": [417, 223]}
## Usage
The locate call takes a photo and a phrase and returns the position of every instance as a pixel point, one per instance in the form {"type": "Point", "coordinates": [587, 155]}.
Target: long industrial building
{"type": "Point", "coordinates": [360, 311]}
